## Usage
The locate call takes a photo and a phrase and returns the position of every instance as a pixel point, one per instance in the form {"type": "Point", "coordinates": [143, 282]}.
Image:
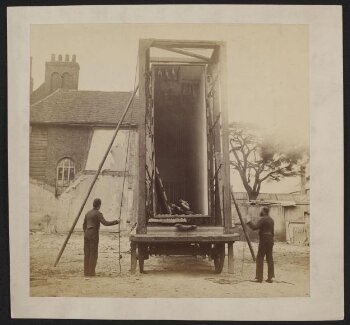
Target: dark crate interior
{"type": "Point", "coordinates": [180, 133]}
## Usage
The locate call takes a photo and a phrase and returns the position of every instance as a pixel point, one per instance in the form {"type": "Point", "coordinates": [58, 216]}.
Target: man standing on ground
{"type": "Point", "coordinates": [91, 228]}
{"type": "Point", "coordinates": [265, 225]}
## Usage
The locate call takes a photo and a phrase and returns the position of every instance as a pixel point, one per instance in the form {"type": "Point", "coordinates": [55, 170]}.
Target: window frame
{"type": "Point", "coordinates": [64, 176]}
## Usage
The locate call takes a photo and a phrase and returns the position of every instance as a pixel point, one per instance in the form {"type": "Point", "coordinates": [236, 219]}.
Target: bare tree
{"type": "Point", "coordinates": [260, 158]}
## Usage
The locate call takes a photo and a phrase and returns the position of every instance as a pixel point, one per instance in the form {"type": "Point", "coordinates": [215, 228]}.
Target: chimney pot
{"type": "Point", "coordinates": [60, 57]}
{"type": "Point", "coordinates": [67, 58]}
{"type": "Point", "coordinates": [53, 58]}
{"type": "Point", "coordinates": [74, 58]}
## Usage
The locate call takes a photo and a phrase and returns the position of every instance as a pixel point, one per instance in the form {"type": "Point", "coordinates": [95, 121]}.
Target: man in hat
{"type": "Point", "coordinates": [265, 225]}
{"type": "Point", "coordinates": [91, 227]}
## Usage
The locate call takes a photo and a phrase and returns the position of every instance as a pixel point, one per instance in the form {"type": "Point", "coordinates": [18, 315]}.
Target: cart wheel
{"type": "Point", "coordinates": [219, 257]}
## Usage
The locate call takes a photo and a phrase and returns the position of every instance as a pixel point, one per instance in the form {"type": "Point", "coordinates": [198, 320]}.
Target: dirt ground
{"type": "Point", "coordinates": [176, 276]}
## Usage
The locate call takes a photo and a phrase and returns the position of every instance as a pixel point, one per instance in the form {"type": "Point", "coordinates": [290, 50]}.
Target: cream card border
{"type": "Point", "coordinates": [326, 138]}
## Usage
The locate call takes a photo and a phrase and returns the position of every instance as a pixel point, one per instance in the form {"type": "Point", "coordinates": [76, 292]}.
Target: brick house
{"type": "Point", "coordinates": [70, 130]}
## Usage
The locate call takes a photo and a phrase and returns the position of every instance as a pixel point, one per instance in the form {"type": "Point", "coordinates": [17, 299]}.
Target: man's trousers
{"type": "Point", "coordinates": [265, 249]}
{"type": "Point", "coordinates": [91, 238]}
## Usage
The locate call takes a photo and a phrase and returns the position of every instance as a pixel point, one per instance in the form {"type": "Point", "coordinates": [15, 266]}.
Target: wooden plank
{"type": "Point", "coordinates": [38, 157]}
{"type": "Point", "coordinates": [243, 226]}
{"type": "Point", "coordinates": [38, 176]}
{"type": "Point", "coordinates": [176, 61]}
{"type": "Point", "coordinates": [171, 229]}
{"type": "Point", "coordinates": [230, 258]}
{"type": "Point", "coordinates": [185, 43]}
{"type": "Point", "coordinates": [37, 147]}
{"type": "Point", "coordinates": [213, 70]}
{"type": "Point", "coordinates": [143, 64]}
{"type": "Point", "coordinates": [37, 170]}
{"type": "Point", "coordinates": [146, 238]}
{"type": "Point", "coordinates": [154, 195]}
{"type": "Point", "coordinates": [38, 153]}
{"type": "Point", "coordinates": [166, 216]}
{"type": "Point", "coordinates": [210, 147]}
{"type": "Point", "coordinates": [133, 260]}
{"type": "Point", "coordinates": [38, 141]}
{"type": "Point", "coordinates": [150, 165]}
{"type": "Point", "coordinates": [225, 138]}
{"type": "Point", "coordinates": [183, 52]}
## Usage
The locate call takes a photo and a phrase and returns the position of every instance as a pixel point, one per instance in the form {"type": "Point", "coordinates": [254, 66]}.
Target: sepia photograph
{"type": "Point", "coordinates": [176, 162]}
{"type": "Point", "coordinates": [169, 160]}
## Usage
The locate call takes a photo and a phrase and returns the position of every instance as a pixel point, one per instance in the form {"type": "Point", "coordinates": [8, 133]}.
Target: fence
{"type": "Point", "coordinates": [291, 225]}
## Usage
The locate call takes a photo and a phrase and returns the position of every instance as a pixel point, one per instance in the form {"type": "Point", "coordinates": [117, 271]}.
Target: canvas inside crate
{"type": "Point", "coordinates": [180, 134]}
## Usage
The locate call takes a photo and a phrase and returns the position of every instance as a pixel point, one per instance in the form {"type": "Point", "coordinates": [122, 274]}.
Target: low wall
{"type": "Point", "coordinates": [109, 189]}
{"type": "Point", "coordinates": [42, 207]}
{"type": "Point", "coordinates": [51, 214]}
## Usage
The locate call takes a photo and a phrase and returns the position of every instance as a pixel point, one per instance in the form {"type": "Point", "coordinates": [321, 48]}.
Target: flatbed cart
{"type": "Point", "coordinates": [184, 147]}
{"type": "Point", "coordinates": [204, 241]}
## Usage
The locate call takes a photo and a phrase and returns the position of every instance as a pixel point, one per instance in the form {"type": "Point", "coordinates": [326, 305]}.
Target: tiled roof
{"type": "Point", "coordinates": [84, 107]}
{"type": "Point", "coordinates": [37, 94]}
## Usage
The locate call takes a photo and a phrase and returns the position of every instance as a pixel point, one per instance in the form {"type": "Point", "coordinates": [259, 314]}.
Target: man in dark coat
{"type": "Point", "coordinates": [91, 227]}
{"type": "Point", "coordinates": [265, 225]}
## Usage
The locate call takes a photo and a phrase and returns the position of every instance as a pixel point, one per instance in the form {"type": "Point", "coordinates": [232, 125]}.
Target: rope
{"type": "Point", "coordinates": [124, 175]}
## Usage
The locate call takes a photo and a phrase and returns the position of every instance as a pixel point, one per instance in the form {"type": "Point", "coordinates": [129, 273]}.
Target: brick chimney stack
{"type": "Point", "coordinates": [58, 74]}
{"type": "Point", "coordinates": [61, 74]}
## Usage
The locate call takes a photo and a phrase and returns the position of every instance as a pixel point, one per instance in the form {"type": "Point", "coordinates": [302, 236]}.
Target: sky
{"type": "Point", "coordinates": [267, 66]}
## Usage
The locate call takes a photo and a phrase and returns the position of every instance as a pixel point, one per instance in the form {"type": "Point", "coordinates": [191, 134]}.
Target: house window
{"type": "Point", "coordinates": [65, 174]}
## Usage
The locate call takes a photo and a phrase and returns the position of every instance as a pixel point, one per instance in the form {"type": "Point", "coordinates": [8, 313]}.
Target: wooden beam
{"type": "Point", "coordinates": [174, 60]}
{"type": "Point", "coordinates": [177, 216]}
{"type": "Point", "coordinates": [243, 226]}
{"type": "Point", "coordinates": [144, 46]}
{"type": "Point", "coordinates": [186, 44]}
{"type": "Point", "coordinates": [213, 70]}
{"type": "Point", "coordinates": [230, 258]}
{"type": "Point", "coordinates": [225, 138]}
{"type": "Point", "coordinates": [133, 257]}
{"type": "Point", "coordinates": [182, 238]}
{"type": "Point", "coordinates": [183, 52]}
{"type": "Point", "coordinates": [172, 229]}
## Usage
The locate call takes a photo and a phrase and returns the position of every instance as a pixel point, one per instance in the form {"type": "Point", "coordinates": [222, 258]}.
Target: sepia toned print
{"type": "Point", "coordinates": [191, 143]}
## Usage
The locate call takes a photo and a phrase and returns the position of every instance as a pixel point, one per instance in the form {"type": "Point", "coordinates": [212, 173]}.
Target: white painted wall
{"type": "Point", "coordinates": [47, 211]}
{"type": "Point", "coordinates": [99, 143]}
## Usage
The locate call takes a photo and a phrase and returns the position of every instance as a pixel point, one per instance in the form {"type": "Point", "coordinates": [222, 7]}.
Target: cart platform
{"type": "Point", "coordinates": [168, 240]}
{"type": "Point", "coordinates": [171, 234]}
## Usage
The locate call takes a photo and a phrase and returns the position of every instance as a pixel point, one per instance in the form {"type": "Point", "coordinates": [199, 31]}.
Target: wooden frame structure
{"type": "Point", "coordinates": [216, 228]}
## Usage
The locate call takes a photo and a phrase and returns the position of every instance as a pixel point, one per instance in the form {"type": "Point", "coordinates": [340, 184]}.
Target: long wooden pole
{"type": "Point", "coordinates": [243, 226]}
{"type": "Point", "coordinates": [96, 176]}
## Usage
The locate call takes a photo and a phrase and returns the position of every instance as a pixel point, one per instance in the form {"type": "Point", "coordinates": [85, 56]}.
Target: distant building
{"type": "Point", "coordinates": [70, 130]}
{"type": "Point", "coordinates": [291, 213]}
